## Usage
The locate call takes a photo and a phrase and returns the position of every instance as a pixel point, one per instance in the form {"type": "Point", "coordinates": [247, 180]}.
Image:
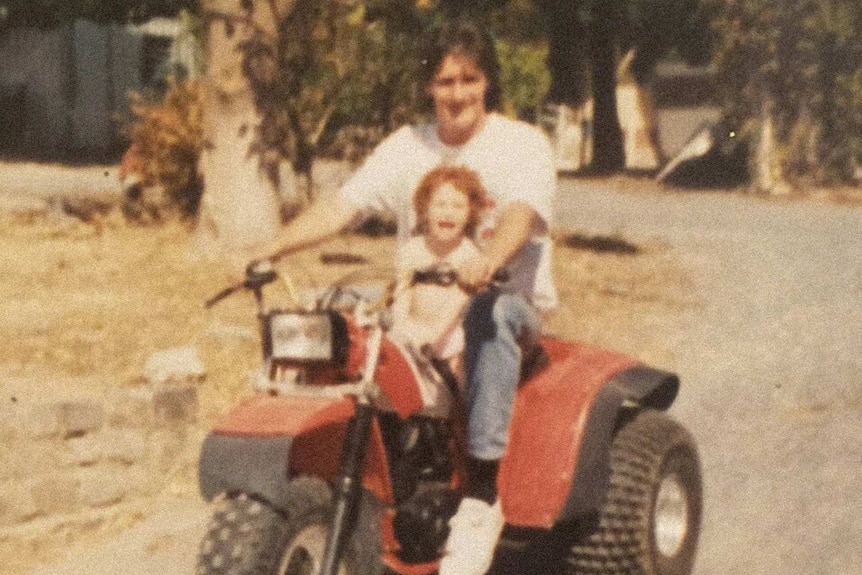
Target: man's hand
{"type": "Point", "coordinates": [475, 273]}
{"type": "Point", "coordinates": [236, 264]}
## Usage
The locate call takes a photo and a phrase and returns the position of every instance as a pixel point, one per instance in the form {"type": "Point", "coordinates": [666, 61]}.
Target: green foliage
{"type": "Point", "coordinates": [339, 77]}
{"type": "Point", "coordinates": [166, 139]}
{"type": "Point", "coordinates": [345, 73]}
{"type": "Point", "coordinates": [518, 21]}
{"type": "Point", "coordinates": [799, 62]}
{"type": "Point", "coordinates": [524, 76]}
{"type": "Point", "coordinates": [385, 93]}
{"type": "Point", "coordinates": [382, 93]}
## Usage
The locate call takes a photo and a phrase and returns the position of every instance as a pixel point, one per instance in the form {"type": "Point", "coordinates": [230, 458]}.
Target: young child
{"type": "Point", "coordinates": [448, 203]}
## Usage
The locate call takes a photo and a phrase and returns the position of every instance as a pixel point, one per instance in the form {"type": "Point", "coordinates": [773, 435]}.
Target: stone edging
{"type": "Point", "coordinates": [66, 456]}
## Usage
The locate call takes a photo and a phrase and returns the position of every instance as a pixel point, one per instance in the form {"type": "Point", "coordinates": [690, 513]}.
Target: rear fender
{"type": "Point", "coordinates": [638, 387]}
{"type": "Point", "coordinates": [258, 446]}
{"type": "Point", "coordinates": [556, 467]}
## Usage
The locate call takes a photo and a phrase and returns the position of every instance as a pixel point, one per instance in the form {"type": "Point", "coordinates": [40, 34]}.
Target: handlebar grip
{"type": "Point", "coordinates": [259, 267]}
{"type": "Point", "coordinates": [258, 279]}
{"type": "Point", "coordinates": [219, 296]}
{"type": "Point", "coordinates": [500, 276]}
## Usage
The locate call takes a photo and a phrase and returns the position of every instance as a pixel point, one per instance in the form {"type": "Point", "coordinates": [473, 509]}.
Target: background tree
{"type": "Point", "coordinates": [240, 202]}
{"type": "Point", "coordinates": [791, 76]}
{"type": "Point", "coordinates": [588, 38]}
{"type": "Point", "coordinates": [304, 75]}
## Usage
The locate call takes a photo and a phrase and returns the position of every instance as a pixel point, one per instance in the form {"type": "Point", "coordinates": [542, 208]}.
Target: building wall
{"type": "Point", "coordinates": [38, 60]}
{"type": "Point", "coordinates": [76, 80]}
{"type": "Point", "coordinates": [91, 126]}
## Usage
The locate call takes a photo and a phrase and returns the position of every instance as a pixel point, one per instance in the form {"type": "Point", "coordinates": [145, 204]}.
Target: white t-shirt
{"type": "Point", "coordinates": [515, 163]}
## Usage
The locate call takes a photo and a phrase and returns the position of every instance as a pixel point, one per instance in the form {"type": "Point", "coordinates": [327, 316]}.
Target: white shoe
{"type": "Point", "coordinates": [475, 529]}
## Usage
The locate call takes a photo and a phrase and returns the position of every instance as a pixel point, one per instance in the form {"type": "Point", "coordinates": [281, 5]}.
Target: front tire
{"type": "Point", "coordinates": [650, 521]}
{"type": "Point", "coordinates": [249, 537]}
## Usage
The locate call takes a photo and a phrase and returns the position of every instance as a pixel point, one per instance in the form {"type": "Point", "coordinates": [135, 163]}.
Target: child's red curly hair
{"type": "Point", "coordinates": [462, 179]}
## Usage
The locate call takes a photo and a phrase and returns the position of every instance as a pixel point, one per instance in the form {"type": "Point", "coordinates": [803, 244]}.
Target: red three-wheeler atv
{"type": "Point", "coordinates": [348, 457]}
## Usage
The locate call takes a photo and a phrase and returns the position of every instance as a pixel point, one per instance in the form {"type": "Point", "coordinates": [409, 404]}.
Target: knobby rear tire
{"type": "Point", "coordinates": [650, 521]}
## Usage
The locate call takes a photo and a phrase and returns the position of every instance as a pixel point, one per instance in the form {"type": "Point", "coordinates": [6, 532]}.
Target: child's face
{"type": "Point", "coordinates": [448, 213]}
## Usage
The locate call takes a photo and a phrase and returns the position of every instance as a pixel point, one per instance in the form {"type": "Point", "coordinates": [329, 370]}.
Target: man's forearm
{"type": "Point", "coordinates": [513, 231]}
{"type": "Point", "coordinates": [320, 221]}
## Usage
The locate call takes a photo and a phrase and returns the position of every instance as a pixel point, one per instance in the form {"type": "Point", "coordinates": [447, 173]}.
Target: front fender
{"type": "Point", "coordinates": [253, 465]}
{"type": "Point", "coordinates": [258, 446]}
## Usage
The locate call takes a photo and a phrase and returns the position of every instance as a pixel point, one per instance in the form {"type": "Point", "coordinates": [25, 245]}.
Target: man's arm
{"type": "Point", "coordinates": [320, 221]}
{"type": "Point", "coordinates": [513, 230]}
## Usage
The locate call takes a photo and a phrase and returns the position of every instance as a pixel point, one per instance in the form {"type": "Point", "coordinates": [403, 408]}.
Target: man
{"type": "Point", "coordinates": [515, 164]}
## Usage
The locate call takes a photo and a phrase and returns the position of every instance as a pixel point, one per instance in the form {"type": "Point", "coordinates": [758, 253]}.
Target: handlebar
{"type": "Point", "coordinates": [257, 275]}
{"type": "Point", "coordinates": [446, 276]}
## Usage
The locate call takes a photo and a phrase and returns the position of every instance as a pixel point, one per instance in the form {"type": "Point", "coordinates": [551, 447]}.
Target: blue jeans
{"type": "Point", "coordinates": [497, 327]}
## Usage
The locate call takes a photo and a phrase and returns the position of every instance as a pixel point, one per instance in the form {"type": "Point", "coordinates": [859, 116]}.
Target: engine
{"type": "Point", "coordinates": [418, 450]}
{"type": "Point", "coordinates": [421, 468]}
{"type": "Point", "coordinates": [421, 523]}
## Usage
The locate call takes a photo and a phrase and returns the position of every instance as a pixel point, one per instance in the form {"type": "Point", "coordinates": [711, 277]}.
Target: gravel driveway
{"type": "Point", "coordinates": [770, 364]}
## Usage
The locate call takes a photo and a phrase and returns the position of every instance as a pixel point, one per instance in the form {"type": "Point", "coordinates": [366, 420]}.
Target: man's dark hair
{"type": "Point", "coordinates": [468, 38]}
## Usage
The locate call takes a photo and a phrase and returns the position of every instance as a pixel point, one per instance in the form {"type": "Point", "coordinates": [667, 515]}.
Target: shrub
{"type": "Point", "coordinates": [796, 63]}
{"type": "Point", "coordinates": [166, 139]}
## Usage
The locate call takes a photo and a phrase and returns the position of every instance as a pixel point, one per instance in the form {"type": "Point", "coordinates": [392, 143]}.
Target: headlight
{"type": "Point", "coordinates": [307, 338]}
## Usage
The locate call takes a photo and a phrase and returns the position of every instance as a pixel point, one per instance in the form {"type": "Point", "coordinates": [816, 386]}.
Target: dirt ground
{"type": "Point", "coordinates": [88, 303]}
{"type": "Point", "coordinates": [92, 301]}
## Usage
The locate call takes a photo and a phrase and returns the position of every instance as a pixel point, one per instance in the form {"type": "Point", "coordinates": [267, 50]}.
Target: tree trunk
{"type": "Point", "coordinates": [608, 150]}
{"type": "Point", "coordinates": [638, 115]}
{"type": "Point", "coordinates": [566, 52]}
{"type": "Point", "coordinates": [767, 166]}
{"type": "Point", "coordinates": [240, 203]}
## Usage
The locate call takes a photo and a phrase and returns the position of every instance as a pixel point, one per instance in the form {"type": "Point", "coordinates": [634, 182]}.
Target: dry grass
{"type": "Point", "coordinates": [83, 306]}
{"type": "Point", "coordinates": [618, 299]}
{"type": "Point", "coordinates": [93, 302]}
